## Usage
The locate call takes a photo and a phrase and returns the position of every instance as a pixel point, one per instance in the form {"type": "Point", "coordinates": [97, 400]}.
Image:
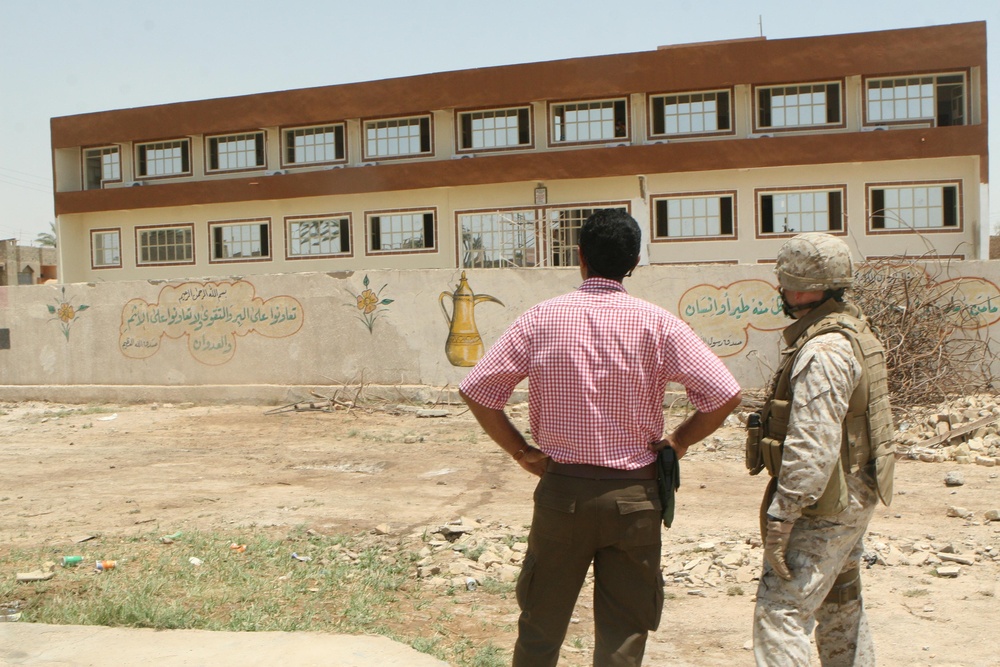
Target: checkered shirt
{"type": "Point", "coordinates": [598, 362]}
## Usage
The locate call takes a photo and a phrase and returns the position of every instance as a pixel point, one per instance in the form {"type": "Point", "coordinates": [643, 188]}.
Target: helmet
{"type": "Point", "coordinates": [814, 262]}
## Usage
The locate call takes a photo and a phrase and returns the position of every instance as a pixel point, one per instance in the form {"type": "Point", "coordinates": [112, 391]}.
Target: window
{"type": "Point", "coordinates": [401, 231]}
{"type": "Point", "coordinates": [690, 113]}
{"type": "Point", "coordinates": [398, 137]}
{"type": "Point", "coordinates": [589, 121]}
{"type": "Point", "coordinates": [240, 240]}
{"type": "Point", "coordinates": [236, 151]}
{"type": "Point", "coordinates": [915, 207]}
{"type": "Point", "coordinates": [312, 145]}
{"type": "Point", "coordinates": [699, 216]}
{"type": "Point", "coordinates": [496, 128]}
{"type": "Point", "coordinates": [563, 233]}
{"type": "Point", "coordinates": [318, 236]}
{"type": "Point", "coordinates": [797, 211]}
{"type": "Point", "coordinates": [164, 245]}
{"type": "Point", "coordinates": [106, 248]}
{"type": "Point", "coordinates": [936, 98]}
{"type": "Point", "coordinates": [498, 239]}
{"type": "Point", "coordinates": [164, 158]}
{"type": "Point", "coordinates": [798, 106]}
{"type": "Point", "coordinates": [100, 166]}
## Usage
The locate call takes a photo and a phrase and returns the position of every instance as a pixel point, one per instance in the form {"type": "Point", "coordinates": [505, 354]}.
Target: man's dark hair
{"type": "Point", "coordinates": [610, 241]}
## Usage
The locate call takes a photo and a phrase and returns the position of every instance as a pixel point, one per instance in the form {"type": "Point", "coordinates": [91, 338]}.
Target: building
{"type": "Point", "coordinates": [25, 265]}
{"type": "Point", "coordinates": [719, 150]}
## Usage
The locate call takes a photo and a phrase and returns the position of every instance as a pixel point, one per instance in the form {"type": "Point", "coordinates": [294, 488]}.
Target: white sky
{"type": "Point", "coordinates": [64, 57]}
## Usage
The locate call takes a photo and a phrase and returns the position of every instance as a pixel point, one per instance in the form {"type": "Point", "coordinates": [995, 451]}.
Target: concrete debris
{"type": "Point", "coordinates": [960, 512]}
{"type": "Point", "coordinates": [954, 478]}
{"type": "Point", "coordinates": [707, 565]}
{"type": "Point", "coordinates": [965, 430]}
{"type": "Point", "coordinates": [956, 558]}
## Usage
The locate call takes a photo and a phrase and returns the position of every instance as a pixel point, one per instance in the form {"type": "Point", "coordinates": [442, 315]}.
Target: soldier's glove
{"type": "Point", "coordinates": [776, 544]}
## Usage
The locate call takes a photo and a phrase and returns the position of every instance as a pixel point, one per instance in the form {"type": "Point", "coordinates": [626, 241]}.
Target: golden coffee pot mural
{"type": "Point", "coordinates": [464, 346]}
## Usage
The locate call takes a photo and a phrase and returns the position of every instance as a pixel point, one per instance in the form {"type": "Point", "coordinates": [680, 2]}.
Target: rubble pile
{"type": "Point", "coordinates": [965, 430]}
{"type": "Point", "coordinates": [465, 554]}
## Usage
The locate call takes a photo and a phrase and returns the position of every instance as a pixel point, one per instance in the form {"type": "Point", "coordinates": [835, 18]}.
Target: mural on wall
{"type": "Point", "coordinates": [970, 302]}
{"type": "Point", "coordinates": [369, 304]}
{"type": "Point", "coordinates": [211, 315]}
{"type": "Point", "coordinates": [464, 346]}
{"type": "Point", "coordinates": [722, 316]}
{"type": "Point", "coordinates": [65, 312]}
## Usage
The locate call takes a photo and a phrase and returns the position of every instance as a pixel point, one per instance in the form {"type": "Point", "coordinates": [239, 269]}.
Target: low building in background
{"type": "Point", "coordinates": [720, 150]}
{"type": "Point", "coordinates": [25, 265]}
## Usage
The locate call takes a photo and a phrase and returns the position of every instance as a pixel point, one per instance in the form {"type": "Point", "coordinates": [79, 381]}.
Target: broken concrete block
{"type": "Point", "coordinates": [957, 558]}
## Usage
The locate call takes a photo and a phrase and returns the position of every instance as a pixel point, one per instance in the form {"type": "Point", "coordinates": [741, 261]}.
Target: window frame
{"type": "Point", "coordinates": [343, 218]}
{"type": "Point", "coordinates": [626, 114]}
{"type": "Point", "coordinates": [340, 136]}
{"type": "Point", "coordinates": [425, 211]}
{"type": "Point", "coordinates": [528, 128]}
{"type": "Point", "coordinates": [185, 157]}
{"type": "Point", "coordinates": [759, 193]}
{"type": "Point", "coordinates": [537, 223]}
{"type": "Point", "coordinates": [840, 106]}
{"type": "Point", "coordinates": [424, 120]}
{"type": "Point", "coordinates": [139, 230]}
{"type": "Point", "coordinates": [211, 151]}
{"type": "Point", "coordinates": [654, 223]}
{"type": "Point", "coordinates": [922, 121]}
{"type": "Point", "coordinates": [84, 157]}
{"type": "Point", "coordinates": [665, 136]}
{"type": "Point", "coordinates": [572, 249]}
{"type": "Point", "coordinates": [263, 223]}
{"type": "Point", "coordinates": [105, 231]}
{"type": "Point", "coordinates": [959, 212]}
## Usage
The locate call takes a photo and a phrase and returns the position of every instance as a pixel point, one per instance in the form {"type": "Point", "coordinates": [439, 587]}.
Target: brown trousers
{"type": "Point", "coordinates": [614, 524]}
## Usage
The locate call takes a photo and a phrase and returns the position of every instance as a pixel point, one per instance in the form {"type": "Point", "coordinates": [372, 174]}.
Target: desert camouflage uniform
{"type": "Point", "coordinates": [824, 376]}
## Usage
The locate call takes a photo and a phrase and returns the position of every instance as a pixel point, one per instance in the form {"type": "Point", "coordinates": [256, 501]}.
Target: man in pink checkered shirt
{"type": "Point", "coordinates": [597, 362]}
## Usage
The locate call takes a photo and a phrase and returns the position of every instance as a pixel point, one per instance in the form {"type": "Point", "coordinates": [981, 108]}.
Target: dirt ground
{"type": "Point", "coordinates": [72, 471]}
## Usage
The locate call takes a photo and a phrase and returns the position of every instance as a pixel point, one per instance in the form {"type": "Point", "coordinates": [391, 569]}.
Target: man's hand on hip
{"type": "Point", "coordinates": [534, 461]}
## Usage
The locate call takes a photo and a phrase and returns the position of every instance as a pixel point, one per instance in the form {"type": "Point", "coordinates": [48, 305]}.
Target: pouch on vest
{"type": "Point", "coordinates": [754, 461]}
{"type": "Point", "coordinates": [834, 498]}
{"type": "Point", "coordinates": [770, 453]}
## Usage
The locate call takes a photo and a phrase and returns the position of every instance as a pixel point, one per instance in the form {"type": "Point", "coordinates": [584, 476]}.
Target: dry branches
{"type": "Point", "coordinates": [935, 327]}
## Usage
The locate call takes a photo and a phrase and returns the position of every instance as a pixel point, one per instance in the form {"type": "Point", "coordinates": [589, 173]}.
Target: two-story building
{"type": "Point", "coordinates": [720, 150]}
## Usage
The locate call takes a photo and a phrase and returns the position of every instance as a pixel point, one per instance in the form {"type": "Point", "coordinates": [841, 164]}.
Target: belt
{"type": "Point", "coordinates": [587, 471]}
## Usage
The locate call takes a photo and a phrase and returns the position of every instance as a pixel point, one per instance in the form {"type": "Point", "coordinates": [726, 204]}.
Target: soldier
{"type": "Point", "coordinates": [825, 436]}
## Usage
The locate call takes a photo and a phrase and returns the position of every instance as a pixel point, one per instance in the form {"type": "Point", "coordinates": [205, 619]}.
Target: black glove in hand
{"type": "Point", "coordinates": [775, 546]}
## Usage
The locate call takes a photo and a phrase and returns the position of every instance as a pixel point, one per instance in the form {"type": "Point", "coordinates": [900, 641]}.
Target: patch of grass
{"type": "Point", "coordinates": [916, 593]}
{"type": "Point", "coordinates": [487, 655]}
{"type": "Point", "coordinates": [350, 585]}
{"type": "Point", "coordinates": [68, 412]}
{"type": "Point", "coordinates": [734, 590]}
{"type": "Point", "coordinates": [496, 587]}
{"type": "Point", "coordinates": [472, 552]}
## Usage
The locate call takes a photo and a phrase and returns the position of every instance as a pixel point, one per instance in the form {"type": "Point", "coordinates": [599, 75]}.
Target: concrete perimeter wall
{"type": "Point", "coordinates": [275, 338]}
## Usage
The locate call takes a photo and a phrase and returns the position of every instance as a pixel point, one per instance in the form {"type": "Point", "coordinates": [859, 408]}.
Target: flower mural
{"type": "Point", "coordinates": [65, 312]}
{"type": "Point", "coordinates": [368, 303]}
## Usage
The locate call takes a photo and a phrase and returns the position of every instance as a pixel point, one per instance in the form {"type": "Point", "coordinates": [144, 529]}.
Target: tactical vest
{"type": "Point", "coordinates": [867, 428]}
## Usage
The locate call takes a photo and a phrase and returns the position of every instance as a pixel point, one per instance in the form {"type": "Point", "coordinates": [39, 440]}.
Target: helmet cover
{"type": "Point", "coordinates": [814, 261]}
